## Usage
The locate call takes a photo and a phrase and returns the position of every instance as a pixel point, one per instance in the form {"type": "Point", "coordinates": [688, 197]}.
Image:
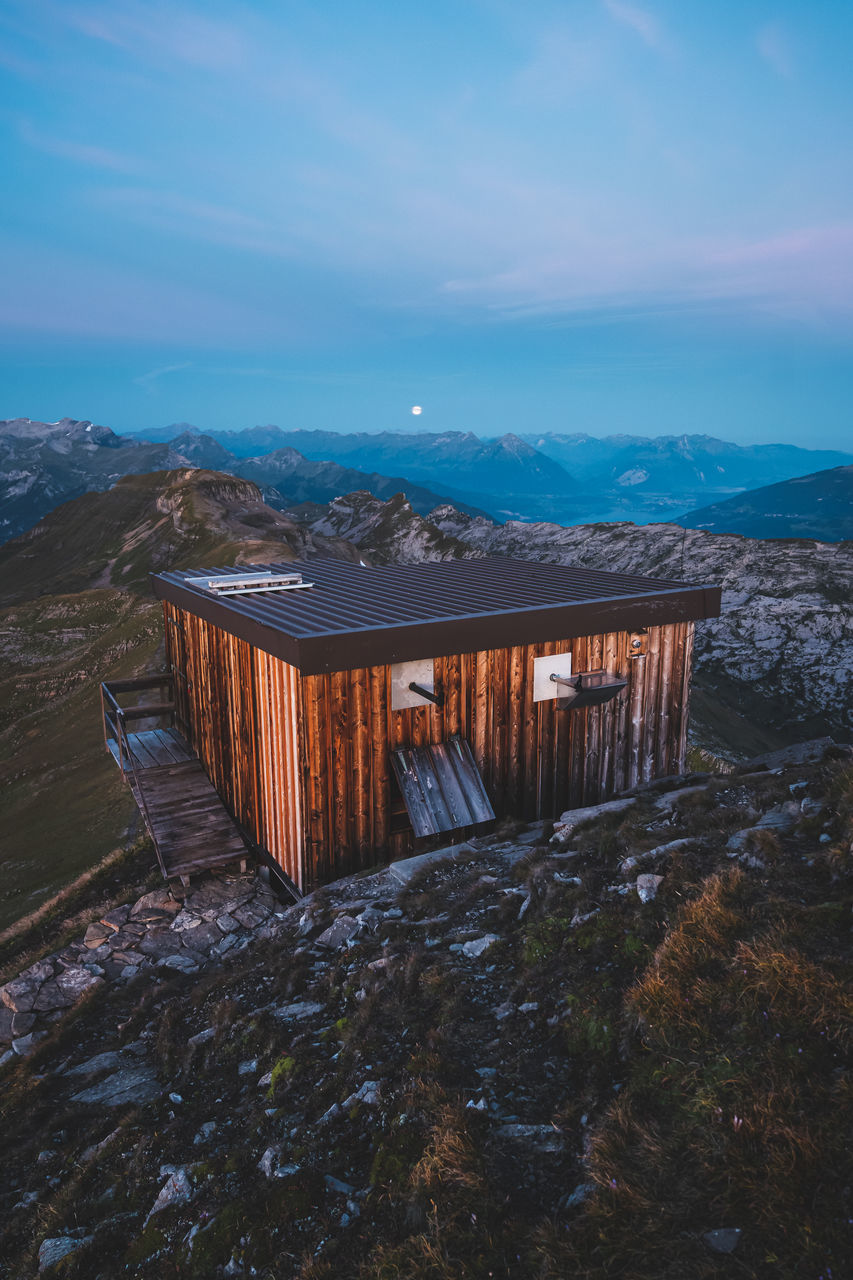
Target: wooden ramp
{"type": "Point", "coordinates": [186, 819]}
{"type": "Point", "coordinates": [190, 826]}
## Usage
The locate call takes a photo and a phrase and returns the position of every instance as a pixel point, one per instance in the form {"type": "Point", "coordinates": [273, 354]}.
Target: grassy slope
{"type": "Point", "coordinates": [78, 610]}
{"type": "Point", "coordinates": [812, 506]}
{"type": "Point", "coordinates": [62, 803]}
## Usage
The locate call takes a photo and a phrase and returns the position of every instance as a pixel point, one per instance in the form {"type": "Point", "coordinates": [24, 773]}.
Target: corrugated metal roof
{"type": "Point", "coordinates": [356, 615]}
{"type": "Point", "coordinates": [442, 788]}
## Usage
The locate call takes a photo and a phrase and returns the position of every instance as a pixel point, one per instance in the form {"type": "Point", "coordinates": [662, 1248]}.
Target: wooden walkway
{"type": "Point", "coordinates": [156, 747]}
{"type": "Point", "coordinates": [185, 816]}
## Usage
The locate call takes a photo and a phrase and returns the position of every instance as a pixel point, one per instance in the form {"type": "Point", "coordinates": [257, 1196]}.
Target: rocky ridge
{"type": "Point", "coordinates": [158, 931]}
{"type": "Point", "coordinates": [45, 463]}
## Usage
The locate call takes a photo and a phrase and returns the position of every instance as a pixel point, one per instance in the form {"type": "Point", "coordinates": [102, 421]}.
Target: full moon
{"type": "Point", "coordinates": [416, 408]}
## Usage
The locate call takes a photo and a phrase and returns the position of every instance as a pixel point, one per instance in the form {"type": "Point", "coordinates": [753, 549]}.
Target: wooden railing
{"type": "Point", "coordinates": [115, 718]}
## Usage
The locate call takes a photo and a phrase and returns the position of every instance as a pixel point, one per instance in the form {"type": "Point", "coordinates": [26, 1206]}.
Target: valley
{"type": "Point", "coordinates": [564, 478]}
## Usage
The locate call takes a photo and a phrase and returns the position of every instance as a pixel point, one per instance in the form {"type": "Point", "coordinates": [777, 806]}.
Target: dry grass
{"type": "Point", "coordinates": [66, 915]}
{"type": "Point", "coordinates": [451, 1159]}
{"type": "Point", "coordinates": [738, 1112]}
{"type": "Point", "coordinates": [459, 1231]}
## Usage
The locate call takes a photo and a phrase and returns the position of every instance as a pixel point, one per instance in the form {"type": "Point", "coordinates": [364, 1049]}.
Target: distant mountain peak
{"type": "Point", "coordinates": [184, 428]}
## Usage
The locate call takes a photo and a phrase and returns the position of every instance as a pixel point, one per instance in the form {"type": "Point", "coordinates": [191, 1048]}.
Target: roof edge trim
{"type": "Point", "coordinates": [437, 638]}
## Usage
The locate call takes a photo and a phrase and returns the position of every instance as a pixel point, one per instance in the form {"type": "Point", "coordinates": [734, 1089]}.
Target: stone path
{"type": "Point", "coordinates": [218, 917]}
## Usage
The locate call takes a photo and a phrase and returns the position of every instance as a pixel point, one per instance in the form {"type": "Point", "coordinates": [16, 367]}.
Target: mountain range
{"type": "Point", "coordinates": [505, 476]}
{"type": "Point", "coordinates": [286, 476]}
{"type": "Point", "coordinates": [679, 464]}
{"type": "Point", "coordinates": [616, 479]}
{"type": "Point", "coordinates": [43, 464]}
{"type": "Point", "coordinates": [567, 478]}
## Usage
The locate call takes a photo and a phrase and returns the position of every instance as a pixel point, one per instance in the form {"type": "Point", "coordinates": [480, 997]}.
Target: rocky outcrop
{"type": "Point", "coordinates": [157, 932]}
{"type": "Point", "coordinates": [391, 531]}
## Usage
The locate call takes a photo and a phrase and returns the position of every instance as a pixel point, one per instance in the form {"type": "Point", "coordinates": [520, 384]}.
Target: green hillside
{"type": "Point", "coordinates": [76, 609]}
{"type": "Point", "coordinates": [815, 506]}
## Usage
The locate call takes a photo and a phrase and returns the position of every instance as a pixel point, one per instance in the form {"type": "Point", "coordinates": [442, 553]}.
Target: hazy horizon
{"type": "Point", "coordinates": [422, 429]}
{"type": "Point", "coordinates": [418, 427]}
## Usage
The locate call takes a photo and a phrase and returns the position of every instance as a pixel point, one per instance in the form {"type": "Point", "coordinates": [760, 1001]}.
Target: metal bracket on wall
{"type": "Point", "coordinates": [638, 643]}
{"type": "Point", "coordinates": [429, 694]}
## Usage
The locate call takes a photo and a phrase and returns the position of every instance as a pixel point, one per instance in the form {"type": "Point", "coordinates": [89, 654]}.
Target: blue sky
{"type": "Point", "coordinates": [592, 215]}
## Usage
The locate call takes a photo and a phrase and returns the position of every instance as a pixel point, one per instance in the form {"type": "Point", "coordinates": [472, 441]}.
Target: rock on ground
{"type": "Point", "coordinates": [55, 1248]}
{"type": "Point", "coordinates": [136, 1084]}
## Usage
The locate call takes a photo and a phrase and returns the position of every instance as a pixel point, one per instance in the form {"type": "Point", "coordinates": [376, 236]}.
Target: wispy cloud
{"type": "Point", "coordinates": [805, 271]}
{"type": "Point", "coordinates": [774, 46]}
{"type": "Point", "coordinates": [641, 21]}
{"type": "Point", "coordinates": [78, 152]}
{"type": "Point", "coordinates": [186, 216]}
{"type": "Point", "coordinates": [832, 243]}
{"type": "Point", "coordinates": [148, 381]}
{"type": "Point", "coordinates": [161, 31]}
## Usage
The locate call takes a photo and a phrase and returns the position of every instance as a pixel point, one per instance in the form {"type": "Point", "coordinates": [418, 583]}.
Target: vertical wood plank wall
{"type": "Point", "coordinates": [303, 761]}
{"type": "Point", "coordinates": [535, 760]}
{"type": "Point", "coordinates": [240, 710]}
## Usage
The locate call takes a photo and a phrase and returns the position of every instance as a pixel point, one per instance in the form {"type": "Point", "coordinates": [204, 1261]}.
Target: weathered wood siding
{"type": "Point", "coordinates": [239, 708]}
{"type": "Point", "coordinates": [303, 761]}
{"type": "Point", "coordinates": [535, 760]}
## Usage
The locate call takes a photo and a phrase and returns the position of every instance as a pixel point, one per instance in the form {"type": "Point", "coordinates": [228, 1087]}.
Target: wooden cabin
{"type": "Point", "coordinates": [344, 712]}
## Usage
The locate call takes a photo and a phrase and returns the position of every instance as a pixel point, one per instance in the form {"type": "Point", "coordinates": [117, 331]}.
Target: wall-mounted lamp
{"type": "Point", "coordinates": [588, 689]}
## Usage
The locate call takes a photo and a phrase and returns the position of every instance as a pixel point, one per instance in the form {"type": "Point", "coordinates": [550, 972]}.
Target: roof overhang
{"type": "Point", "coordinates": [381, 645]}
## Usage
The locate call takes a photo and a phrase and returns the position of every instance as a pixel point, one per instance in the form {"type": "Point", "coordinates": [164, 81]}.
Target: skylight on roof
{"type": "Point", "coordinates": [243, 584]}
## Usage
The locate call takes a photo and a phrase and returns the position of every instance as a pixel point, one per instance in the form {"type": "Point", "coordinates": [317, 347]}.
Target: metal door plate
{"type": "Point", "coordinates": [544, 688]}
{"type": "Point", "coordinates": [402, 675]}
